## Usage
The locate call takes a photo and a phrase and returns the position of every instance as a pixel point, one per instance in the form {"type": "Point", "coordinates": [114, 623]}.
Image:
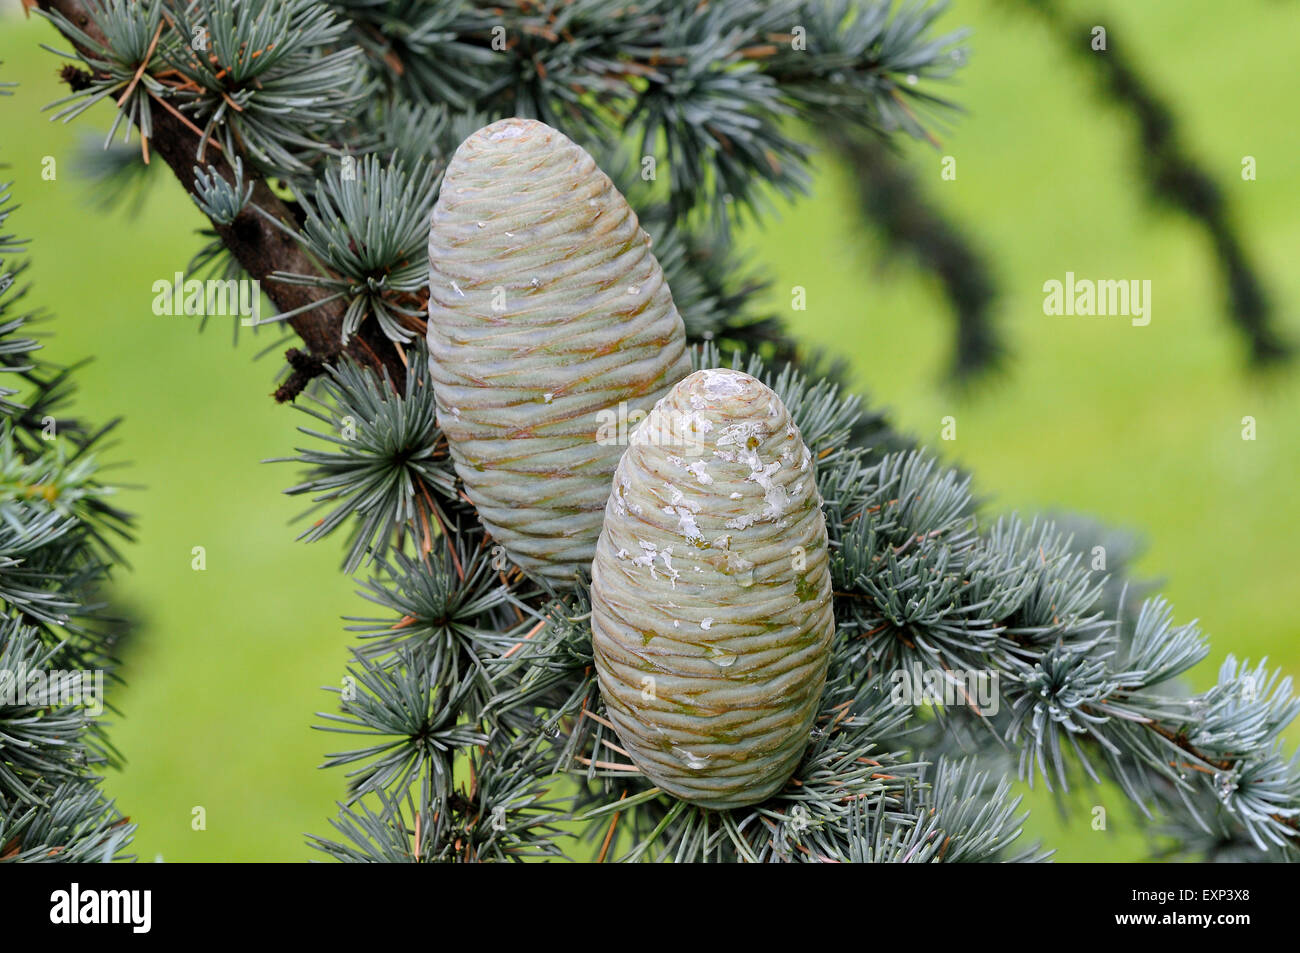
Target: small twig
{"type": "Point", "coordinates": [608, 765]}
{"type": "Point", "coordinates": [520, 644]}
{"type": "Point", "coordinates": [609, 834]}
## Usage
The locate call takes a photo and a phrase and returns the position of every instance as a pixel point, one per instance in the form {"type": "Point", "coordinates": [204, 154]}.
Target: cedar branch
{"type": "Point", "coordinates": [258, 245]}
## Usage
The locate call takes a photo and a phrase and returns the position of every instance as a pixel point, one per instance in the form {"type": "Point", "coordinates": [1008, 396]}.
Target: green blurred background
{"type": "Point", "coordinates": [1138, 426]}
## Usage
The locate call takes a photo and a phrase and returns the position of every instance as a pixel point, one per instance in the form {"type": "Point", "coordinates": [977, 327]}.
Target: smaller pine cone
{"type": "Point", "coordinates": [549, 321]}
{"type": "Point", "coordinates": [711, 593]}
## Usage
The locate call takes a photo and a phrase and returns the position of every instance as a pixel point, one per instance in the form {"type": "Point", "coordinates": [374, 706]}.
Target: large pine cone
{"type": "Point", "coordinates": [549, 322]}
{"type": "Point", "coordinates": [711, 593]}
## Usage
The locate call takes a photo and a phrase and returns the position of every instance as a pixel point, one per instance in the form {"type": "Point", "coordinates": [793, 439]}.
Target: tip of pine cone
{"type": "Point", "coordinates": [513, 143]}
{"type": "Point", "coordinates": [513, 130]}
{"type": "Point", "coordinates": [724, 391]}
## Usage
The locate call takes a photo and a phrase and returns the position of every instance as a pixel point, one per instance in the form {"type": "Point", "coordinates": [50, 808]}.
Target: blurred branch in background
{"type": "Point", "coordinates": [1171, 176]}
{"type": "Point", "coordinates": [893, 203]}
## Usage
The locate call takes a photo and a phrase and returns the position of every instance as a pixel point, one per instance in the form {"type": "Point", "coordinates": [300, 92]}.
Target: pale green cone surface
{"type": "Point", "coordinates": [711, 593]}
{"type": "Point", "coordinates": [547, 311]}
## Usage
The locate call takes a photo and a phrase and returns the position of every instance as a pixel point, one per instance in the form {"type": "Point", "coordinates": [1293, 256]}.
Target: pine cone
{"type": "Point", "coordinates": [549, 323]}
{"type": "Point", "coordinates": [711, 593]}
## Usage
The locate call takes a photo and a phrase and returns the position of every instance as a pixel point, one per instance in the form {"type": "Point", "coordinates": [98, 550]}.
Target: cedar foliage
{"type": "Point", "coordinates": [59, 529]}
